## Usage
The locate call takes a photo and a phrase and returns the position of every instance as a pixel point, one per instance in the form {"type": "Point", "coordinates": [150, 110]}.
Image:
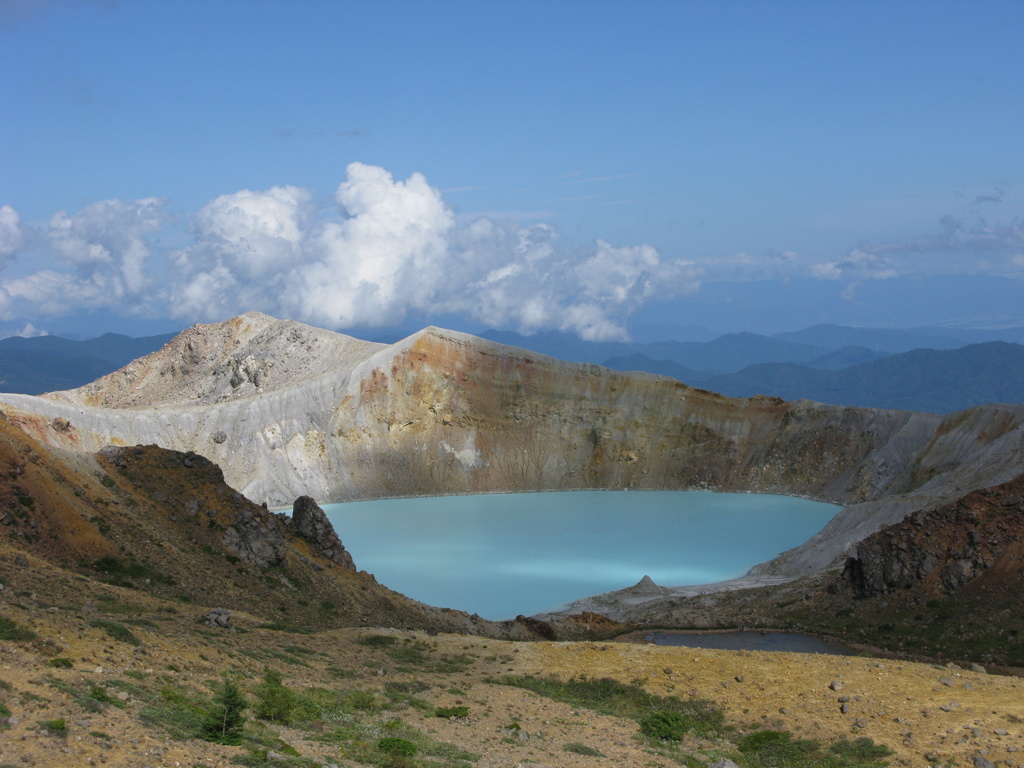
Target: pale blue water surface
{"type": "Point", "coordinates": [501, 555]}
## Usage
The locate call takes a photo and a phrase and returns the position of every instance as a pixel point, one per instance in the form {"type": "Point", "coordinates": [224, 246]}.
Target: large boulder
{"type": "Point", "coordinates": [256, 538]}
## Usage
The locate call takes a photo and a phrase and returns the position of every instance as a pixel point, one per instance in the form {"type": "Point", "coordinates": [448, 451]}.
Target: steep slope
{"type": "Point", "coordinates": [164, 523]}
{"type": "Point", "coordinates": [444, 412]}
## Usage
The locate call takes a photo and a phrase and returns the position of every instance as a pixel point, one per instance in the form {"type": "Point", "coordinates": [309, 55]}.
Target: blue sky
{"type": "Point", "coordinates": [593, 167]}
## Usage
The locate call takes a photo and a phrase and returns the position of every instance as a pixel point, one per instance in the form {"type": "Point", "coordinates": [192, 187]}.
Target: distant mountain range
{"type": "Point", "coordinates": [934, 381]}
{"type": "Point", "coordinates": [935, 370]}
{"type": "Point", "coordinates": [48, 363]}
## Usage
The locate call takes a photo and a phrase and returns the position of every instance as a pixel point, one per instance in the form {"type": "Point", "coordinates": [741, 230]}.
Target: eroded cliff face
{"type": "Point", "coordinates": [443, 412]}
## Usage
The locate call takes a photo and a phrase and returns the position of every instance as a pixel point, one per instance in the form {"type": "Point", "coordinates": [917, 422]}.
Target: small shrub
{"type": "Point", "coordinates": [451, 712]}
{"type": "Point", "coordinates": [275, 700]}
{"type": "Point", "coordinates": [116, 631]}
{"type": "Point", "coordinates": [393, 745]}
{"type": "Point", "coordinates": [667, 726]}
{"type": "Point", "coordinates": [60, 663]}
{"type": "Point", "coordinates": [583, 749]}
{"type": "Point", "coordinates": [54, 727]}
{"type": "Point", "coordinates": [98, 693]}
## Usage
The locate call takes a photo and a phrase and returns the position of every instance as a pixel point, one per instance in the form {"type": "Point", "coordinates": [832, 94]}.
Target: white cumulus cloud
{"type": "Point", "coordinates": [11, 235]}
{"type": "Point", "coordinates": [393, 247]}
{"type": "Point", "coordinates": [105, 244]}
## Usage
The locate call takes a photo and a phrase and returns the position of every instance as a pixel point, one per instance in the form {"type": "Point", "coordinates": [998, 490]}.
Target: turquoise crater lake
{"type": "Point", "coordinates": [500, 555]}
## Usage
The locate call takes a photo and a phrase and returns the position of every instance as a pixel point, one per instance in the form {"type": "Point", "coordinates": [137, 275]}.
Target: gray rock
{"type": "Point", "coordinates": [515, 733]}
{"type": "Point", "coordinates": [219, 617]}
{"type": "Point", "coordinates": [725, 762]}
{"type": "Point", "coordinates": [256, 538]}
{"type": "Point", "coordinates": [980, 761]}
{"type": "Point", "coordinates": [955, 575]}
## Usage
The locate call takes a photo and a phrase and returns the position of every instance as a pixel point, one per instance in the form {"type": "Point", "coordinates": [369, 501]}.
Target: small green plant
{"type": "Point", "coordinates": [54, 727]}
{"type": "Point", "coordinates": [583, 749]}
{"type": "Point", "coordinates": [60, 663]}
{"type": "Point", "coordinates": [393, 745]}
{"type": "Point", "coordinates": [225, 719]}
{"type": "Point", "coordinates": [451, 712]}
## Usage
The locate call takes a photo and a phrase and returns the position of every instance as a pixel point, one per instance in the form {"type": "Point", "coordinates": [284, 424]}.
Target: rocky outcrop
{"type": "Point", "coordinates": [287, 410]}
{"type": "Point", "coordinates": [310, 522]}
{"type": "Point", "coordinates": [256, 538]}
{"type": "Point", "coordinates": [942, 549]}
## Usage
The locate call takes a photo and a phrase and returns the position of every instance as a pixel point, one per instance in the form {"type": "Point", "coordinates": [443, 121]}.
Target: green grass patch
{"type": "Point", "coordinates": [610, 697]}
{"type": "Point", "coordinates": [91, 698]}
{"type": "Point", "coordinates": [116, 631]}
{"type": "Point", "coordinates": [9, 630]}
{"type": "Point", "coordinates": [178, 711]}
{"type": "Point", "coordinates": [393, 745]}
{"type": "Point", "coordinates": [769, 749]}
{"type": "Point", "coordinates": [378, 641]}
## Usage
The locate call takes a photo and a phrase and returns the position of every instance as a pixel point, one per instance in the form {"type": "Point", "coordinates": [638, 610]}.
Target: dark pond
{"type": "Point", "coordinates": [751, 641]}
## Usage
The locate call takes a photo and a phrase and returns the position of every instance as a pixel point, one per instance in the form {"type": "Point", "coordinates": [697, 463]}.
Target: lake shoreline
{"type": "Point", "coordinates": [503, 555]}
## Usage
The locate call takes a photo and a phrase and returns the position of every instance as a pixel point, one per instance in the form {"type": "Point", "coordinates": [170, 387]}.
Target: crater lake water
{"type": "Point", "coordinates": [501, 555]}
